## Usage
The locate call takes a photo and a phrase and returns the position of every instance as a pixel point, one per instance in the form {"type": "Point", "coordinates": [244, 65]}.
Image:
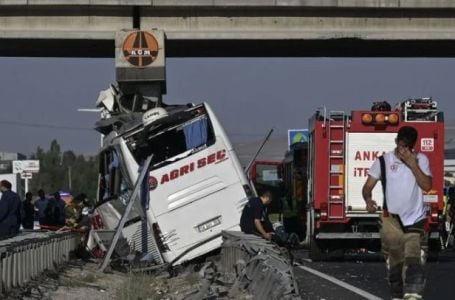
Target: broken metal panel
{"type": "Point", "coordinates": [232, 254]}
{"type": "Point", "coordinates": [260, 266]}
{"type": "Point", "coordinates": [128, 121]}
{"type": "Point", "coordinates": [125, 214]}
{"type": "Point", "coordinates": [143, 241]}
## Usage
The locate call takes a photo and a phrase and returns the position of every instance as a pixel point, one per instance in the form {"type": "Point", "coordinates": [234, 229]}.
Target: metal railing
{"type": "Point", "coordinates": [25, 256]}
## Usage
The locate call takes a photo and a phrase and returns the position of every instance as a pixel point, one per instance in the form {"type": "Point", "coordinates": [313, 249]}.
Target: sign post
{"type": "Point", "coordinates": [26, 176]}
{"type": "Point", "coordinates": [26, 168]}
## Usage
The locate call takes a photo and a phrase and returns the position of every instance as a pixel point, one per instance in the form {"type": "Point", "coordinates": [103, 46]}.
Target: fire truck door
{"type": "Point", "coordinates": [362, 149]}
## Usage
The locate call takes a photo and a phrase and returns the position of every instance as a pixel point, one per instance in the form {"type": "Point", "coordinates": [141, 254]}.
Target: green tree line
{"type": "Point", "coordinates": [65, 171]}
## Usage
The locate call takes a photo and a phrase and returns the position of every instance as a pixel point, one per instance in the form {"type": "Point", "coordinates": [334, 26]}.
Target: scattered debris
{"type": "Point", "coordinates": [248, 267]}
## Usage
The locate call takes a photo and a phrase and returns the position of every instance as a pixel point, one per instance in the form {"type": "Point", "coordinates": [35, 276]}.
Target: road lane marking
{"type": "Point", "coordinates": [339, 282]}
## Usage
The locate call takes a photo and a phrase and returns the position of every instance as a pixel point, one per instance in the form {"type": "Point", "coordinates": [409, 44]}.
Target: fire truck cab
{"type": "Point", "coordinates": [342, 148]}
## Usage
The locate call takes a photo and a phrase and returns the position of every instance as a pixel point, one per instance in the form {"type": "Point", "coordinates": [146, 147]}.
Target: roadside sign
{"type": "Point", "coordinates": [297, 136]}
{"type": "Point", "coordinates": [26, 175]}
{"type": "Point", "coordinates": [29, 166]}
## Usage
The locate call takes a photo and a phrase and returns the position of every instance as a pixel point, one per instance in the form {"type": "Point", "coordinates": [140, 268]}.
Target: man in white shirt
{"type": "Point", "coordinates": [407, 175]}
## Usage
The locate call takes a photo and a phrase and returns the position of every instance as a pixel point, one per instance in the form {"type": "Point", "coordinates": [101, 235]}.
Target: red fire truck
{"type": "Point", "coordinates": [293, 172]}
{"type": "Point", "coordinates": [342, 147]}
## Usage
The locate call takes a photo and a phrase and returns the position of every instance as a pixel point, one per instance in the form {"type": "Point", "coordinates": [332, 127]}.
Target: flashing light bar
{"type": "Point", "coordinates": [380, 118]}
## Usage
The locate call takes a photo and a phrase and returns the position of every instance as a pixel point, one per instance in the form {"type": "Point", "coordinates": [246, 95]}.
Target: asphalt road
{"type": "Point", "coordinates": [368, 274]}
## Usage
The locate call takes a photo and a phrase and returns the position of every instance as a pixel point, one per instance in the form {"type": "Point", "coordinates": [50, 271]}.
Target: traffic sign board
{"type": "Point", "coordinates": [30, 166]}
{"type": "Point", "coordinates": [297, 136]}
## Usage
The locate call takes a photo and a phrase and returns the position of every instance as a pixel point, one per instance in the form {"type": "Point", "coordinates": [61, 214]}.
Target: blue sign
{"type": "Point", "coordinates": [297, 136]}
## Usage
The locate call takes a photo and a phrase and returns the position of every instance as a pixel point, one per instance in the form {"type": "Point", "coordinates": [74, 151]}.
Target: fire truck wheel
{"type": "Point", "coordinates": [434, 248]}
{"type": "Point", "coordinates": [336, 254]}
{"type": "Point", "coordinates": [317, 253]}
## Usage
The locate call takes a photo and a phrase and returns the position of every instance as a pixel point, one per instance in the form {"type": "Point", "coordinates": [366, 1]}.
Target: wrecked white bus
{"type": "Point", "coordinates": [195, 186]}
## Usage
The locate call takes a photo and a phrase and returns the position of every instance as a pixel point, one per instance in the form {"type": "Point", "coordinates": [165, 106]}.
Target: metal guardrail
{"type": "Point", "coordinates": [25, 256]}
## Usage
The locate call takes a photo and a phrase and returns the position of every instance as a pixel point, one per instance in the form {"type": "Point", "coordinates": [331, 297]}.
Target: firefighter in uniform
{"type": "Point", "coordinates": [73, 211]}
{"type": "Point", "coordinates": [407, 175]}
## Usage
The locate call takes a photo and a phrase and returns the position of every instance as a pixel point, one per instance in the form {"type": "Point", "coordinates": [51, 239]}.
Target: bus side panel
{"type": "Point", "coordinates": [189, 179]}
{"type": "Point", "coordinates": [208, 192]}
{"type": "Point", "coordinates": [183, 228]}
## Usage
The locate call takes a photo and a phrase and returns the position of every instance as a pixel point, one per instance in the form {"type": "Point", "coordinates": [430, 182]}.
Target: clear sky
{"type": "Point", "coordinates": [40, 96]}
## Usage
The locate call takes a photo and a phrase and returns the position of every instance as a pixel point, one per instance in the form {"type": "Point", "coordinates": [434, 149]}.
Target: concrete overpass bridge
{"type": "Point", "coordinates": [250, 28]}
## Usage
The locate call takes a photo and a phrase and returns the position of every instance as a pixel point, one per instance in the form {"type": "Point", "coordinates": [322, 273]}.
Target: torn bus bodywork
{"type": "Point", "coordinates": [195, 186]}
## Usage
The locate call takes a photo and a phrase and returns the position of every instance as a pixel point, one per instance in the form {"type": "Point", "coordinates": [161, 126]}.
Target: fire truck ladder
{"type": "Point", "coordinates": [337, 129]}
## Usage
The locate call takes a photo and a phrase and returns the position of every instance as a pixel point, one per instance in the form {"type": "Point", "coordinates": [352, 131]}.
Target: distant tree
{"type": "Point", "coordinates": [50, 176]}
{"type": "Point", "coordinates": [58, 169]}
{"type": "Point", "coordinates": [84, 176]}
{"type": "Point", "coordinates": [69, 158]}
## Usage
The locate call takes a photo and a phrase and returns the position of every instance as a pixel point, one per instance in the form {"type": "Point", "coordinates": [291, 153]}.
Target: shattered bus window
{"type": "Point", "coordinates": [113, 186]}
{"type": "Point", "coordinates": [172, 138]}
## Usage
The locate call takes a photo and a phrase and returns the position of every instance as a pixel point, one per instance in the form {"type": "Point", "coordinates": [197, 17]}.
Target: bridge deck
{"type": "Point", "coordinates": [254, 28]}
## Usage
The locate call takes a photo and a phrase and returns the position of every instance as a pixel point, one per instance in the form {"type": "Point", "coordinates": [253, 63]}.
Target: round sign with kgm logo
{"type": "Point", "coordinates": [153, 183]}
{"type": "Point", "coordinates": [140, 48]}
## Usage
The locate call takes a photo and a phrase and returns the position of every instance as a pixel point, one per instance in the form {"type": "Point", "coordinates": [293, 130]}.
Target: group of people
{"type": "Point", "coordinates": [51, 212]}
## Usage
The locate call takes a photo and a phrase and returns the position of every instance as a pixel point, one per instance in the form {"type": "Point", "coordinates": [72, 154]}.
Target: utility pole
{"type": "Point", "coordinates": [69, 179]}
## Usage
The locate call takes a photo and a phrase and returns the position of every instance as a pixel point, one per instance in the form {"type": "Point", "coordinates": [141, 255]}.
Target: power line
{"type": "Point", "coordinates": [244, 134]}
{"type": "Point", "coordinates": [44, 125]}
{"type": "Point", "coordinates": [63, 127]}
